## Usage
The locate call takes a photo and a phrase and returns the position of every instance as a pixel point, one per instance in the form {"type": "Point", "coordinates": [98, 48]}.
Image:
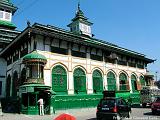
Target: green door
{"type": "Point", "coordinates": [123, 81]}
{"type": "Point", "coordinates": [142, 81]}
{"type": "Point", "coordinates": [111, 81]}
{"type": "Point", "coordinates": [79, 81]}
{"type": "Point", "coordinates": [134, 83]}
{"type": "Point", "coordinates": [97, 81]}
{"type": "Point", "coordinates": [59, 79]}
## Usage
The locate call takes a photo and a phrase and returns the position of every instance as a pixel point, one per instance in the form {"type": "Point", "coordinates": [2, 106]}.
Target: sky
{"type": "Point", "coordinates": [132, 24]}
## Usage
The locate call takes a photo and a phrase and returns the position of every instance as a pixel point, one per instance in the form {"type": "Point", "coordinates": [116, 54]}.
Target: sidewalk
{"type": "Point", "coordinates": [75, 112]}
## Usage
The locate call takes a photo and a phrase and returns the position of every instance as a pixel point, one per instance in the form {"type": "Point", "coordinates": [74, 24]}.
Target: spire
{"type": "Point", "coordinates": [8, 5]}
{"type": "Point", "coordinates": [78, 6]}
{"type": "Point", "coordinates": [79, 14]}
{"type": "Point", "coordinates": [7, 10]}
{"type": "Point", "coordinates": [80, 23]}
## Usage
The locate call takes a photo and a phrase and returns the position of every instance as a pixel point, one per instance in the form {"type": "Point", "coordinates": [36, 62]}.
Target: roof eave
{"type": "Point", "coordinates": [15, 40]}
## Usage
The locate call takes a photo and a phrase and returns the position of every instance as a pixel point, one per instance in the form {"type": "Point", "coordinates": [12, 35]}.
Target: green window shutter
{"type": "Point", "coordinates": [79, 81]}
{"type": "Point", "coordinates": [111, 81]}
{"type": "Point", "coordinates": [59, 79]}
{"type": "Point", "coordinates": [142, 81]}
{"type": "Point", "coordinates": [134, 83]}
{"type": "Point", "coordinates": [97, 81]}
{"type": "Point", "coordinates": [123, 81]}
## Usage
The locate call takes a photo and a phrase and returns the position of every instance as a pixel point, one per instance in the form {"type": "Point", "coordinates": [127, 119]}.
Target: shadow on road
{"type": "Point", "coordinates": [92, 119]}
{"type": "Point", "coordinates": [139, 106]}
{"type": "Point", "coordinates": [150, 114]}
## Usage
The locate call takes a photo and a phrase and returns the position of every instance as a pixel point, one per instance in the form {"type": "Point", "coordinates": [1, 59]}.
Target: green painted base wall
{"type": "Point", "coordinates": [75, 101]}
{"type": "Point", "coordinates": [32, 110]}
{"type": "Point", "coordinates": [134, 97]}
{"type": "Point", "coordinates": [60, 102]}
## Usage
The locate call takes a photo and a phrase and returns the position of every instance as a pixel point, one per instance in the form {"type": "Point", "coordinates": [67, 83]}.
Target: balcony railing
{"type": "Point", "coordinates": [131, 64]}
{"type": "Point", "coordinates": [124, 87]}
{"type": "Point", "coordinates": [112, 87]}
{"type": "Point", "coordinates": [120, 62]}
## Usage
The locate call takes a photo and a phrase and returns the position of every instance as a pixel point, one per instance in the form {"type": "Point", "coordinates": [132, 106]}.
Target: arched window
{"type": "Point", "coordinates": [97, 81]}
{"type": "Point", "coordinates": [134, 82]}
{"type": "Point", "coordinates": [142, 81]}
{"type": "Point", "coordinates": [23, 76]}
{"type": "Point", "coordinates": [111, 81]}
{"type": "Point", "coordinates": [8, 86]}
{"type": "Point", "coordinates": [124, 84]}
{"type": "Point", "coordinates": [59, 79]}
{"type": "Point", "coordinates": [15, 84]}
{"type": "Point", "coordinates": [79, 81]}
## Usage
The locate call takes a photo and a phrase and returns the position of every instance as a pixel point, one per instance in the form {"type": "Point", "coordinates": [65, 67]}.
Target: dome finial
{"type": "Point", "coordinates": [78, 5]}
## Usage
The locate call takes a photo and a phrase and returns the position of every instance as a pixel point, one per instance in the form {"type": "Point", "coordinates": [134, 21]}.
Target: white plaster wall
{"type": "Point", "coordinates": [89, 65]}
{"type": "Point", "coordinates": [40, 43]}
{"type": "Point", "coordinates": [3, 67]}
{"type": "Point", "coordinates": [47, 77]}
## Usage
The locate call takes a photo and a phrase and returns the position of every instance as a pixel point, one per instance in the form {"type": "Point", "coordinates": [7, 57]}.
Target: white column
{"type": "Point", "coordinates": [70, 83]}
{"type": "Point", "coordinates": [89, 84]}
{"type": "Point", "coordinates": [47, 77]}
{"type": "Point", "coordinates": [130, 84]}
{"type": "Point", "coordinates": [117, 83]}
{"type": "Point", "coordinates": [89, 81]}
{"type": "Point", "coordinates": [105, 82]}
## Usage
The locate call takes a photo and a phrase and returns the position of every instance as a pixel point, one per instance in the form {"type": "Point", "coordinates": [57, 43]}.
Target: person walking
{"type": "Point", "coordinates": [41, 106]}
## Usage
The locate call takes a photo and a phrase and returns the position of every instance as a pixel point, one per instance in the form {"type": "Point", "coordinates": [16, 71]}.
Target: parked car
{"type": "Point", "coordinates": [155, 107]}
{"type": "Point", "coordinates": [148, 95]}
{"type": "Point", "coordinates": [113, 108]}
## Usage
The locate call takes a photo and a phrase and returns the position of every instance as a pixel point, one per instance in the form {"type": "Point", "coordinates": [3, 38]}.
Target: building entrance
{"type": "Point", "coordinates": [29, 96]}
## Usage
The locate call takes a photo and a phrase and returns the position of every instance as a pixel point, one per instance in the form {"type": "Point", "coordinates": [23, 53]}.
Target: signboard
{"type": "Point", "coordinates": [23, 89]}
{"type": "Point", "coordinates": [26, 89]}
{"type": "Point", "coordinates": [30, 89]}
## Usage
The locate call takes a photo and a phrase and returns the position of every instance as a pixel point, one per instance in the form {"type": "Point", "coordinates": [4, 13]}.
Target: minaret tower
{"type": "Point", "coordinates": [7, 9]}
{"type": "Point", "coordinates": [80, 23]}
{"type": "Point", "coordinates": [7, 28]}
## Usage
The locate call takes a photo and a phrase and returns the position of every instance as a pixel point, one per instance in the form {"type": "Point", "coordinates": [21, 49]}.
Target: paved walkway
{"type": "Point", "coordinates": [74, 112]}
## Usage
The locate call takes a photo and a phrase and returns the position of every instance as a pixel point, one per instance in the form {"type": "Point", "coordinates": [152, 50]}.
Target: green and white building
{"type": "Point", "coordinates": [69, 68]}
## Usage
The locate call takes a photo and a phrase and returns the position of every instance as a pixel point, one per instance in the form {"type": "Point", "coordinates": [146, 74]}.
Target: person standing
{"type": "Point", "coordinates": [41, 106]}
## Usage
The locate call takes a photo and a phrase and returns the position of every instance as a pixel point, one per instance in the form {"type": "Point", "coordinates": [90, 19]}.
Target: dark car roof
{"type": "Point", "coordinates": [111, 98]}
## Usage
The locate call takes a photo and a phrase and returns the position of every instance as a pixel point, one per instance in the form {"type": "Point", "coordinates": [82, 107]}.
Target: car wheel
{"type": "Point", "coordinates": [118, 117]}
{"type": "Point", "coordinates": [153, 112]}
{"type": "Point", "coordinates": [144, 105]}
{"type": "Point", "coordinates": [129, 114]}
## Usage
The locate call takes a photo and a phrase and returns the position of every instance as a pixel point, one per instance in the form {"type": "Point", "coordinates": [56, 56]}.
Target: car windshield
{"type": "Point", "coordinates": [108, 102]}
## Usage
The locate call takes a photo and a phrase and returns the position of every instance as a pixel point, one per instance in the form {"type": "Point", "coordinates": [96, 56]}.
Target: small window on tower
{"type": "Point", "coordinates": [7, 16]}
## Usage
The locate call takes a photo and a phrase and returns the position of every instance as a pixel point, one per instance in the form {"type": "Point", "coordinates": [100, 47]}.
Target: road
{"type": "Point", "coordinates": [83, 114]}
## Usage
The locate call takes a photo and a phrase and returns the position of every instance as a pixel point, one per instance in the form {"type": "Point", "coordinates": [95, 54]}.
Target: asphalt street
{"type": "Point", "coordinates": [82, 114]}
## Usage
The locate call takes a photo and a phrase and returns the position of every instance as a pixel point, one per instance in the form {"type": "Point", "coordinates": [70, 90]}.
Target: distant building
{"type": "Point", "coordinates": [44, 60]}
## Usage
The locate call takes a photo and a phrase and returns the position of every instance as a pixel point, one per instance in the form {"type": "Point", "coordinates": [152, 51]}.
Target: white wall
{"type": "Point", "coordinates": [70, 63]}
{"type": "Point", "coordinates": [3, 67]}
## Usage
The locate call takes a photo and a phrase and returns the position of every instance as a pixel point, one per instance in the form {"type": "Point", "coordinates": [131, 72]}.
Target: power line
{"type": "Point", "coordinates": [22, 1]}
{"type": "Point", "coordinates": [27, 7]}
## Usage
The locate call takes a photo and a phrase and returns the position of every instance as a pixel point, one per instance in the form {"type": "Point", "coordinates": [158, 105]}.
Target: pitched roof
{"type": "Point", "coordinates": [81, 39]}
